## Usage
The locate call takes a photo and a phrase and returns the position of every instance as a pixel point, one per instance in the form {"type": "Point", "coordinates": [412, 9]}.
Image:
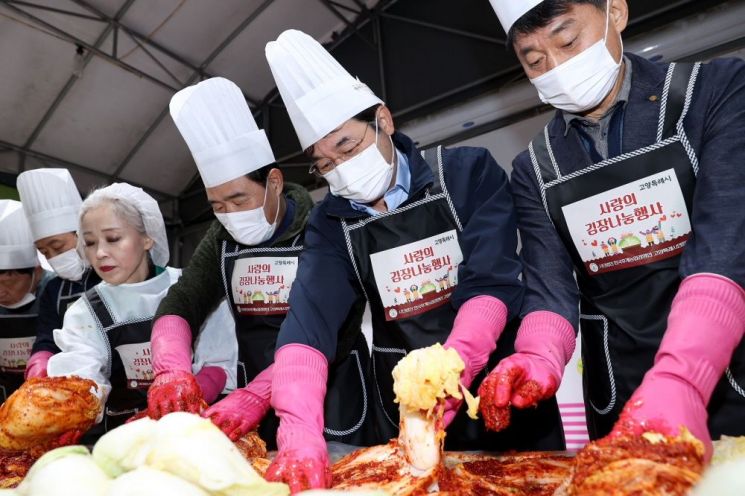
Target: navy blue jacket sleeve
{"type": "Point", "coordinates": [325, 288]}
{"type": "Point", "coordinates": [49, 319]}
{"type": "Point", "coordinates": [548, 271]}
{"type": "Point", "coordinates": [718, 216]}
{"type": "Point", "coordinates": [481, 195]}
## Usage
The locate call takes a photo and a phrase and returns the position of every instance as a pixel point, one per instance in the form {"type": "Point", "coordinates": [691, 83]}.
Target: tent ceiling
{"type": "Point", "coordinates": [104, 114]}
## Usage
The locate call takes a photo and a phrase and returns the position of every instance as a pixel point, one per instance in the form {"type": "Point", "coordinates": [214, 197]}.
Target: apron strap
{"type": "Point", "coordinates": [677, 93]}
{"type": "Point", "coordinates": [432, 157]}
{"type": "Point", "coordinates": [98, 308]}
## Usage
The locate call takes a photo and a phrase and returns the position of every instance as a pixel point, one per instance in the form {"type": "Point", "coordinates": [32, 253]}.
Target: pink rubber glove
{"type": "Point", "coordinates": [37, 364]}
{"type": "Point", "coordinates": [242, 410]}
{"type": "Point", "coordinates": [705, 325]}
{"type": "Point", "coordinates": [211, 381]}
{"type": "Point", "coordinates": [544, 345]}
{"type": "Point", "coordinates": [175, 388]}
{"type": "Point", "coordinates": [298, 391]}
{"type": "Point", "coordinates": [476, 329]}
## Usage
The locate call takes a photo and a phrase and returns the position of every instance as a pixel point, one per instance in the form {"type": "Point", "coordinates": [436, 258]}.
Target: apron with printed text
{"type": "Point", "coordinates": [129, 362]}
{"type": "Point", "coordinates": [407, 263]}
{"type": "Point", "coordinates": [625, 221]}
{"type": "Point", "coordinates": [17, 336]}
{"type": "Point", "coordinates": [257, 284]}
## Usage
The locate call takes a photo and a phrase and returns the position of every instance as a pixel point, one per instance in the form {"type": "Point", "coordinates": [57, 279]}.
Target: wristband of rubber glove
{"type": "Point", "coordinates": [298, 392]}
{"type": "Point", "coordinates": [211, 380]}
{"type": "Point", "coordinates": [544, 345]}
{"type": "Point", "coordinates": [476, 330]}
{"type": "Point", "coordinates": [242, 410]}
{"type": "Point", "coordinates": [705, 325]}
{"type": "Point", "coordinates": [37, 364]}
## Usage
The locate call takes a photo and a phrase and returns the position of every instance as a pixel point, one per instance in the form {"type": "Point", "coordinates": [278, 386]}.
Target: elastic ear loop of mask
{"type": "Point", "coordinates": [390, 138]}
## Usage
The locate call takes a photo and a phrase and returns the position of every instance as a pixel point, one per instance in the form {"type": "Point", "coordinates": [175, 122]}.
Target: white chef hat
{"type": "Point", "coordinates": [17, 250]}
{"type": "Point", "coordinates": [318, 92]}
{"type": "Point", "coordinates": [217, 125]}
{"type": "Point", "coordinates": [51, 201]}
{"type": "Point", "coordinates": [509, 11]}
{"type": "Point", "coordinates": [148, 208]}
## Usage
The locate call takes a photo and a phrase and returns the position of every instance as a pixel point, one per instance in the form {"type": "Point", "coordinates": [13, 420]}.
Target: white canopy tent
{"type": "Point", "coordinates": [87, 83]}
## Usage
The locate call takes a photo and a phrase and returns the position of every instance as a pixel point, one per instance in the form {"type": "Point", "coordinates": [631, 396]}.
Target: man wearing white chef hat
{"type": "Point", "coordinates": [51, 202]}
{"type": "Point", "coordinates": [22, 280]}
{"type": "Point", "coordinates": [249, 255]}
{"type": "Point", "coordinates": [646, 158]}
{"type": "Point", "coordinates": [393, 224]}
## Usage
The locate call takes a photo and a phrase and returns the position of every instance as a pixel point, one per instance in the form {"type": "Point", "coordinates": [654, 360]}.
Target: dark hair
{"type": "Point", "coordinates": [25, 272]}
{"type": "Point", "coordinates": [543, 13]}
{"type": "Point", "coordinates": [260, 175]}
{"type": "Point", "coordinates": [368, 115]}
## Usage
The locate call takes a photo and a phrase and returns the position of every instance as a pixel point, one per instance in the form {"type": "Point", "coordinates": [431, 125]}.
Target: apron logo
{"type": "Point", "coordinates": [14, 353]}
{"type": "Point", "coordinates": [636, 224]}
{"type": "Point", "coordinates": [415, 278]}
{"type": "Point", "coordinates": [138, 364]}
{"type": "Point", "coordinates": [261, 285]}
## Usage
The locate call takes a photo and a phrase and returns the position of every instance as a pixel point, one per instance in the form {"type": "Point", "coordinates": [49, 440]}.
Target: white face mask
{"type": "Point", "coordinates": [250, 227]}
{"type": "Point", "coordinates": [68, 265]}
{"type": "Point", "coordinates": [365, 177]}
{"type": "Point", "coordinates": [582, 82]}
{"type": "Point", "coordinates": [27, 298]}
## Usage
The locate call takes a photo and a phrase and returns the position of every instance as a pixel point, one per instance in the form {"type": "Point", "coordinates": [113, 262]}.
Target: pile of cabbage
{"type": "Point", "coordinates": [181, 454]}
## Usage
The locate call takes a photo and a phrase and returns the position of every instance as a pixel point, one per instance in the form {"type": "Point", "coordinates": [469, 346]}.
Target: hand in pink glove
{"type": "Point", "coordinates": [705, 325]}
{"type": "Point", "coordinates": [37, 364]}
{"type": "Point", "coordinates": [242, 410]}
{"type": "Point", "coordinates": [476, 329]}
{"type": "Point", "coordinates": [298, 391]}
{"type": "Point", "coordinates": [545, 343]}
{"type": "Point", "coordinates": [175, 388]}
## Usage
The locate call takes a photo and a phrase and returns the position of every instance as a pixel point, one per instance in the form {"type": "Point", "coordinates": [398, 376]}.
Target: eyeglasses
{"type": "Point", "coordinates": [343, 152]}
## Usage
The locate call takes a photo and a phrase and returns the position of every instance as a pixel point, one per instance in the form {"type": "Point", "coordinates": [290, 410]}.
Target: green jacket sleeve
{"type": "Point", "coordinates": [199, 289]}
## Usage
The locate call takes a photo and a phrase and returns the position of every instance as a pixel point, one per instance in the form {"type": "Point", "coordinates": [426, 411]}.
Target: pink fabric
{"type": "Point", "coordinates": [705, 325]}
{"type": "Point", "coordinates": [477, 327]}
{"type": "Point", "coordinates": [298, 392]}
{"type": "Point", "coordinates": [170, 342]}
{"type": "Point", "coordinates": [242, 410]}
{"type": "Point", "coordinates": [37, 364]}
{"type": "Point", "coordinates": [211, 381]}
{"type": "Point", "coordinates": [544, 345]}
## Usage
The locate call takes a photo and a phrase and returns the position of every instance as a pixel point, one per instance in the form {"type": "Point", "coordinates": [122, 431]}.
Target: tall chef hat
{"type": "Point", "coordinates": [17, 250]}
{"type": "Point", "coordinates": [509, 11]}
{"type": "Point", "coordinates": [217, 125]}
{"type": "Point", "coordinates": [148, 208]}
{"type": "Point", "coordinates": [318, 92]}
{"type": "Point", "coordinates": [51, 201]}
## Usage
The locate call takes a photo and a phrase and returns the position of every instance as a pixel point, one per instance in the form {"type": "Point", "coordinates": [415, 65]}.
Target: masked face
{"type": "Point", "coordinates": [17, 289]}
{"type": "Point", "coordinates": [68, 265]}
{"type": "Point", "coordinates": [116, 250]}
{"type": "Point", "coordinates": [365, 177]}
{"type": "Point", "coordinates": [250, 227]}
{"type": "Point", "coordinates": [586, 72]}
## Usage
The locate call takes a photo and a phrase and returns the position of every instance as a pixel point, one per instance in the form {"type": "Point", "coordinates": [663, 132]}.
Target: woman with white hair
{"type": "Point", "coordinates": [106, 333]}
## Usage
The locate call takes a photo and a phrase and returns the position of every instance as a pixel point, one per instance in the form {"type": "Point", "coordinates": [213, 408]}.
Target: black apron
{"type": "Point", "coordinates": [16, 340]}
{"type": "Point", "coordinates": [70, 291]}
{"type": "Point", "coordinates": [129, 363]}
{"type": "Point", "coordinates": [257, 283]}
{"type": "Point", "coordinates": [407, 262]}
{"type": "Point", "coordinates": [625, 222]}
